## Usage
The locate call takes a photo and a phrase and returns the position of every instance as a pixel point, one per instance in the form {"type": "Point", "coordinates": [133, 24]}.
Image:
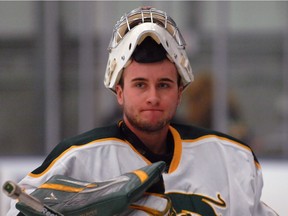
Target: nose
{"type": "Point", "coordinates": [153, 97]}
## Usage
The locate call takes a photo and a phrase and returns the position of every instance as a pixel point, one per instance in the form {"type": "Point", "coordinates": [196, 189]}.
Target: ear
{"type": "Point", "coordinates": [119, 94]}
{"type": "Point", "coordinates": [180, 92]}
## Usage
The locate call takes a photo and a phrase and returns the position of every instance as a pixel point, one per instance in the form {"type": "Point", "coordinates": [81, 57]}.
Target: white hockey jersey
{"type": "Point", "coordinates": [210, 173]}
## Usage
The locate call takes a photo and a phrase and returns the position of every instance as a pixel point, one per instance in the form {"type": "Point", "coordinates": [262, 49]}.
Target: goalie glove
{"type": "Point", "coordinates": [68, 196]}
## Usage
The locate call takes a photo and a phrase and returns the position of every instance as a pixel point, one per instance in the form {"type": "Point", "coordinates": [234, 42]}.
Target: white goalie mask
{"type": "Point", "coordinates": [132, 29]}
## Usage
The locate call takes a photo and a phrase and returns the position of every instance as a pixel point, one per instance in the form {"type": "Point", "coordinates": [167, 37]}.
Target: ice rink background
{"type": "Point", "coordinates": [275, 175]}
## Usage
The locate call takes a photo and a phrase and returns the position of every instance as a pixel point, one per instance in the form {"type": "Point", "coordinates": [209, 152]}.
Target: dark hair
{"type": "Point", "coordinates": [149, 51]}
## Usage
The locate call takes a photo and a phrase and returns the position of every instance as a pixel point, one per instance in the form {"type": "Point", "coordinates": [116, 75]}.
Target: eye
{"type": "Point", "coordinates": [164, 85]}
{"type": "Point", "coordinates": [140, 84]}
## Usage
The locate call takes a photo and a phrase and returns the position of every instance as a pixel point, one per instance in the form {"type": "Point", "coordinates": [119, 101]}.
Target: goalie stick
{"type": "Point", "coordinates": [12, 190]}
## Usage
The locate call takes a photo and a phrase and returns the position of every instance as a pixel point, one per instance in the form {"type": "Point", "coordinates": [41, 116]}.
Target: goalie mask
{"type": "Point", "coordinates": [146, 35]}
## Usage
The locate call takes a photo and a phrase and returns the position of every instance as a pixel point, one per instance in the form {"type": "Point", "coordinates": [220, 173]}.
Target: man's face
{"type": "Point", "coordinates": [150, 95]}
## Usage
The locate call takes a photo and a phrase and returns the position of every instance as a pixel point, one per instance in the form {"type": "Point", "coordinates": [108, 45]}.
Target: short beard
{"type": "Point", "coordinates": [146, 126]}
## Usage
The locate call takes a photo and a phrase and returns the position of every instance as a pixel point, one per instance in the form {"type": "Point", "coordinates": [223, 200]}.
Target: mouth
{"type": "Point", "coordinates": [152, 113]}
{"type": "Point", "coordinates": [152, 110]}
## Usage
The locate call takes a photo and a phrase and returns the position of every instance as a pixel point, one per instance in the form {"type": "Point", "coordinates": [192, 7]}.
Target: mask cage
{"type": "Point", "coordinates": [142, 15]}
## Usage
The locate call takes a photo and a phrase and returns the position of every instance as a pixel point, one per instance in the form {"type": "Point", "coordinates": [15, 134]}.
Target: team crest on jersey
{"type": "Point", "coordinates": [196, 205]}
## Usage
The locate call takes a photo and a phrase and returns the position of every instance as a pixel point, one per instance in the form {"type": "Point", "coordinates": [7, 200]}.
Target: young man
{"type": "Point", "coordinates": [207, 172]}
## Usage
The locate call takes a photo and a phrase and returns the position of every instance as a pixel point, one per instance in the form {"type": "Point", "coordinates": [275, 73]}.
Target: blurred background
{"type": "Point", "coordinates": [53, 56]}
